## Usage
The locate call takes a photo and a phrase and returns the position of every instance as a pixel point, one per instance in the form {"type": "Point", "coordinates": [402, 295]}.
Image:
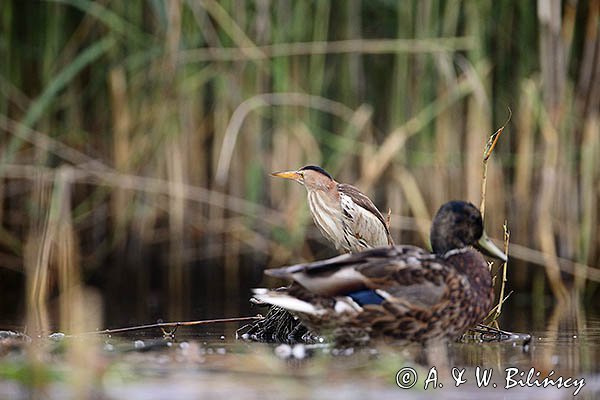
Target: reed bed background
{"type": "Point", "coordinates": [137, 138]}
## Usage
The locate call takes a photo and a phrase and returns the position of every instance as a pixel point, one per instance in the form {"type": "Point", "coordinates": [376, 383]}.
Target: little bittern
{"type": "Point", "coordinates": [345, 215]}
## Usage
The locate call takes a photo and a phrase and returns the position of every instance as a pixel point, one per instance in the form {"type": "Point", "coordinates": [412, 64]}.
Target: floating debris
{"type": "Point", "coordinates": [283, 351]}
{"type": "Point", "coordinates": [11, 335]}
{"type": "Point", "coordinates": [485, 333]}
{"type": "Point", "coordinates": [299, 351]}
{"type": "Point", "coordinates": [278, 326]}
{"type": "Point", "coordinates": [348, 351]}
{"type": "Point", "coordinates": [109, 347]}
{"type": "Point", "coordinates": [57, 336]}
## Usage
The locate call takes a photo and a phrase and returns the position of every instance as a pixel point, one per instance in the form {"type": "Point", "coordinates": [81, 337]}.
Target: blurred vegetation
{"type": "Point", "coordinates": [136, 140]}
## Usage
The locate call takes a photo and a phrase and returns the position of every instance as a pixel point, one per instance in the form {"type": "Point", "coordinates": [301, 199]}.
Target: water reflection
{"type": "Point", "coordinates": [209, 361]}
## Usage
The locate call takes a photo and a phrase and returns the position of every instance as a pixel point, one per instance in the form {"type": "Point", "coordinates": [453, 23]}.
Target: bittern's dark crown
{"type": "Point", "coordinates": [317, 169]}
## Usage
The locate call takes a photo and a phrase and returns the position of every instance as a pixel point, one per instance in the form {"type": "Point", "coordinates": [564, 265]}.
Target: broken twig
{"type": "Point", "coordinates": [172, 325]}
{"type": "Point", "coordinates": [489, 148]}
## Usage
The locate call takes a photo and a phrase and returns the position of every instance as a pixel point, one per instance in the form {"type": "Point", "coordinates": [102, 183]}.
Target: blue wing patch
{"type": "Point", "coordinates": [363, 297]}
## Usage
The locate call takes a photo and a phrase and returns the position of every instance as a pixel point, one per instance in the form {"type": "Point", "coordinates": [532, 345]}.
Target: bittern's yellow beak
{"type": "Point", "coordinates": [293, 175]}
{"type": "Point", "coordinates": [488, 247]}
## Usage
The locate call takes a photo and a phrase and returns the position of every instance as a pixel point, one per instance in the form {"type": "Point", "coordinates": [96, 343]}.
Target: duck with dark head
{"type": "Point", "coordinates": [402, 292]}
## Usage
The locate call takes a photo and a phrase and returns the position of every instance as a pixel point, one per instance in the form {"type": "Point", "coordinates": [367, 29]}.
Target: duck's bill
{"type": "Point", "coordinates": [293, 175]}
{"type": "Point", "coordinates": [489, 248]}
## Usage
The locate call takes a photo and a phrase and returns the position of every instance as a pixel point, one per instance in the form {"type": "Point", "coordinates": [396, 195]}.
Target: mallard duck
{"type": "Point", "coordinates": [343, 214]}
{"type": "Point", "coordinates": [403, 292]}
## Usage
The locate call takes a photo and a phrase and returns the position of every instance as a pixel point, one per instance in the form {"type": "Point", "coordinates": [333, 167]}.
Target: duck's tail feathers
{"type": "Point", "coordinates": [283, 300]}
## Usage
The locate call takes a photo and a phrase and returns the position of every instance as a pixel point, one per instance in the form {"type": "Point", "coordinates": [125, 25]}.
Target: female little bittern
{"type": "Point", "coordinates": [345, 215]}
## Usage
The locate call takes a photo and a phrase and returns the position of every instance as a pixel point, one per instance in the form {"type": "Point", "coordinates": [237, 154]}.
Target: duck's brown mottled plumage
{"type": "Point", "coordinates": [411, 294]}
{"type": "Point", "coordinates": [442, 305]}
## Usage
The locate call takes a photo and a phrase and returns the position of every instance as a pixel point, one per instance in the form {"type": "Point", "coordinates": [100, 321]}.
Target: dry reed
{"type": "Point", "coordinates": [169, 114]}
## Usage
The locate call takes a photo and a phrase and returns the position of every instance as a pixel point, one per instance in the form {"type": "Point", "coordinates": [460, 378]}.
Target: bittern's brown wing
{"type": "Point", "coordinates": [367, 223]}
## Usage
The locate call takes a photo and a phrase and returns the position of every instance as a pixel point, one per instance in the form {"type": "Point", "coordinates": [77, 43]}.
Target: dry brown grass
{"type": "Point", "coordinates": [167, 123]}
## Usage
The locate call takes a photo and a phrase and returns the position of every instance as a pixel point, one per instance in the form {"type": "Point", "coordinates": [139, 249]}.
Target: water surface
{"type": "Point", "coordinates": [209, 361]}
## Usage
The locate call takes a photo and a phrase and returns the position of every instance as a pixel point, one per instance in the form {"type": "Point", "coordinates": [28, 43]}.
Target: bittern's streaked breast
{"type": "Point", "coordinates": [345, 215]}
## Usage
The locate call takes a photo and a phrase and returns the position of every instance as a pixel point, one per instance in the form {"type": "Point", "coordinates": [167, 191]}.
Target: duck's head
{"type": "Point", "coordinates": [311, 176]}
{"type": "Point", "coordinates": [458, 224]}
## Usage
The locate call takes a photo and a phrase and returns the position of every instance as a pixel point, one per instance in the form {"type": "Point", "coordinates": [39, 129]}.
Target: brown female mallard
{"type": "Point", "coordinates": [403, 292]}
